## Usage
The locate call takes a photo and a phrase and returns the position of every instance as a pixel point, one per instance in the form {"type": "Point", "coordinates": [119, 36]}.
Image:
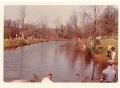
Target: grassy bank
{"type": "Point", "coordinates": [101, 54]}
{"type": "Point", "coordinates": [20, 42]}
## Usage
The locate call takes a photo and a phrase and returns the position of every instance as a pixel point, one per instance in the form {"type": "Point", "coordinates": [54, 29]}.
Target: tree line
{"type": "Point", "coordinates": [88, 21]}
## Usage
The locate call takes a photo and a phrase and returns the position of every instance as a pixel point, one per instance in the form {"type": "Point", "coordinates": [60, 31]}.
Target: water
{"type": "Point", "coordinates": [57, 57]}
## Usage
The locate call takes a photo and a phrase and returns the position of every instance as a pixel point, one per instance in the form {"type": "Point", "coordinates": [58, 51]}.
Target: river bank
{"type": "Point", "coordinates": [102, 58]}
{"type": "Point", "coordinates": [100, 54]}
{"type": "Point", "coordinates": [18, 42]}
{"type": "Point", "coordinates": [22, 42]}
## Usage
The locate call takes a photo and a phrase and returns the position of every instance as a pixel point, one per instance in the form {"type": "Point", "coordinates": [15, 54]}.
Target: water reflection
{"type": "Point", "coordinates": [61, 58]}
{"type": "Point", "coordinates": [80, 62]}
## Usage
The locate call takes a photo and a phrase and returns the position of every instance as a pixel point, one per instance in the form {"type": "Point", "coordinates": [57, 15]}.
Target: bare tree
{"type": "Point", "coordinates": [58, 24]}
{"type": "Point", "coordinates": [110, 20]}
{"type": "Point", "coordinates": [74, 21]}
{"type": "Point", "coordinates": [43, 22]}
{"type": "Point", "coordinates": [84, 17]}
{"type": "Point", "coordinates": [7, 27]}
{"type": "Point", "coordinates": [95, 14]}
{"type": "Point", "coordinates": [7, 23]}
{"type": "Point", "coordinates": [22, 15]}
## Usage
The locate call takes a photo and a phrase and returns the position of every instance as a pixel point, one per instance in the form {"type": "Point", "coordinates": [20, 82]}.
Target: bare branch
{"type": "Point", "coordinates": [22, 15]}
{"type": "Point", "coordinates": [43, 22]}
{"type": "Point", "coordinates": [74, 21]}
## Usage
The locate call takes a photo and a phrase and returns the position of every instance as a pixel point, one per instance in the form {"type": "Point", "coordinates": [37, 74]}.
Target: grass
{"type": "Point", "coordinates": [19, 42]}
{"type": "Point", "coordinates": [101, 54]}
{"type": "Point", "coordinates": [106, 42]}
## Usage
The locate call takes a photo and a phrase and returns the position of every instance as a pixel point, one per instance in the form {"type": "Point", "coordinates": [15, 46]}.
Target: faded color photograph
{"type": "Point", "coordinates": [61, 43]}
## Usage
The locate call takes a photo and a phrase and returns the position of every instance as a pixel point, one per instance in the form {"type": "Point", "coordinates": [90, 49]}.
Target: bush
{"type": "Point", "coordinates": [21, 42]}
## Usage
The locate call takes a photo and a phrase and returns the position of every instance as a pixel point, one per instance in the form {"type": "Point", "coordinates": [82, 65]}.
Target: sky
{"type": "Point", "coordinates": [59, 13]}
{"type": "Point", "coordinates": [35, 12]}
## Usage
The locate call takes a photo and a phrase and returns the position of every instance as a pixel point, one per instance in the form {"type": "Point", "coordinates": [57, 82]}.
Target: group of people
{"type": "Point", "coordinates": [109, 73]}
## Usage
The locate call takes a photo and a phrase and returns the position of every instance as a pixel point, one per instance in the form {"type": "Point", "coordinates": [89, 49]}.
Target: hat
{"type": "Point", "coordinates": [113, 48]}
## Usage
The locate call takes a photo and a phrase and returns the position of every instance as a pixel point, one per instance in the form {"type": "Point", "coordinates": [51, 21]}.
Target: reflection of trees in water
{"type": "Point", "coordinates": [88, 56]}
{"type": "Point", "coordinates": [76, 57]}
{"type": "Point", "coordinates": [21, 63]}
{"type": "Point", "coordinates": [66, 48]}
{"type": "Point", "coordinates": [74, 52]}
{"type": "Point", "coordinates": [99, 66]}
{"type": "Point", "coordinates": [85, 57]}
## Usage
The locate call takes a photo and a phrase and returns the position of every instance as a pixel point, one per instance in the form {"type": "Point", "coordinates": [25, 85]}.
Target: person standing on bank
{"type": "Point", "coordinates": [109, 50]}
{"type": "Point", "coordinates": [113, 53]}
{"type": "Point", "coordinates": [109, 73]}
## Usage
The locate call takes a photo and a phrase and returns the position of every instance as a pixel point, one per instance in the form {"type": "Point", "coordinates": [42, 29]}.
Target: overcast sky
{"type": "Point", "coordinates": [53, 12]}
